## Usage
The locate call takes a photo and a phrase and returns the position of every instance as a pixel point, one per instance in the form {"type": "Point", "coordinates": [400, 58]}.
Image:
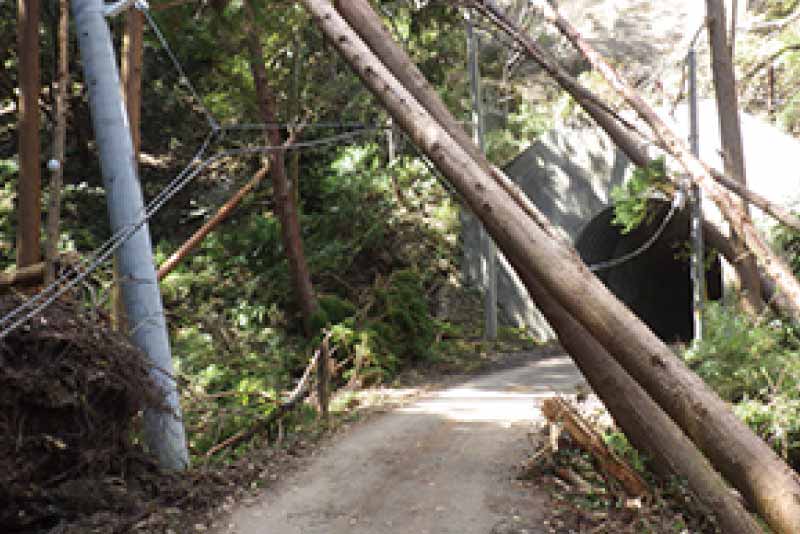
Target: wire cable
{"type": "Point", "coordinates": [183, 79]}
{"type": "Point", "coordinates": [36, 304]}
{"type": "Point", "coordinates": [677, 203]}
{"type": "Point", "coordinates": [308, 126]}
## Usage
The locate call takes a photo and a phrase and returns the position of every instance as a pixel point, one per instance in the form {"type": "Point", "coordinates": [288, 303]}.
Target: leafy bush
{"type": "Point", "coordinates": [406, 327]}
{"type": "Point", "coordinates": [632, 199]}
{"type": "Point", "coordinates": [754, 363]}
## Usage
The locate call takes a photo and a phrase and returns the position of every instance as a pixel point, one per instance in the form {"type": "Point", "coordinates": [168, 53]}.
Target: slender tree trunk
{"type": "Point", "coordinates": [131, 79]}
{"type": "Point", "coordinates": [294, 158]}
{"type": "Point", "coordinates": [732, 151]}
{"type": "Point", "coordinates": [534, 245]}
{"type": "Point", "coordinates": [287, 212]}
{"type": "Point", "coordinates": [131, 73]}
{"type": "Point", "coordinates": [59, 138]}
{"type": "Point", "coordinates": [774, 266]}
{"type": "Point", "coordinates": [29, 187]}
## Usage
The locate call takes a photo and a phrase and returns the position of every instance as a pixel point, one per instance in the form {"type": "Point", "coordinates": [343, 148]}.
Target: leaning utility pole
{"type": "Point", "coordinates": [164, 432]}
{"type": "Point", "coordinates": [488, 249]}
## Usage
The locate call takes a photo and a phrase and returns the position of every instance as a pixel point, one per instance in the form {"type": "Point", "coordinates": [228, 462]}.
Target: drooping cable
{"type": "Point", "coordinates": [678, 202]}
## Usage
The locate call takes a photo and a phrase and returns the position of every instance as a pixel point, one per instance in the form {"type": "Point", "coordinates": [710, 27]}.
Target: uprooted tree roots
{"type": "Point", "coordinates": [70, 391]}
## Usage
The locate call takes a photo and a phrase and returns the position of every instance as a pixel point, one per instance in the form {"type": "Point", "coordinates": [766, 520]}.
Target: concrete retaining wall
{"type": "Point", "coordinates": [568, 174]}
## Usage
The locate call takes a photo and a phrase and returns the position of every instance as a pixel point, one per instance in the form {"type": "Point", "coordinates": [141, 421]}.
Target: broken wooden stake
{"type": "Point", "coordinates": [558, 410]}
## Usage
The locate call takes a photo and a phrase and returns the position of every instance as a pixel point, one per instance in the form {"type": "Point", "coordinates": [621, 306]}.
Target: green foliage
{"type": "Point", "coordinates": [336, 308]}
{"type": "Point", "coordinates": [7, 219]}
{"type": "Point", "coordinates": [632, 199]}
{"type": "Point", "coordinates": [372, 363]}
{"type": "Point", "coordinates": [406, 327]}
{"type": "Point", "coordinates": [754, 363]}
{"type": "Point", "coordinates": [788, 240]}
{"type": "Point", "coordinates": [523, 125]}
{"type": "Point", "coordinates": [619, 444]}
{"type": "Point", "coordinates": [377, 234]}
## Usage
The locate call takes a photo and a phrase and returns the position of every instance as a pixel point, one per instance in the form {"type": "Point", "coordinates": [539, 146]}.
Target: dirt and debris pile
{"type": "Point", "coordinates": [70, 390]}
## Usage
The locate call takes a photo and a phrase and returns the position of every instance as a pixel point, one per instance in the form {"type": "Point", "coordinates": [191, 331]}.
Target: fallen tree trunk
{"type": "Point", "coordinates": [619, 132]}
{"type": "Point", "coordinates": [762, 477]}
{"type": "Point", "coordinates": [774, 266]}
{"type": "Point", "coordinates": [645, 424]}
{"type": "Point", "coordinates": [222, 214]}
{"type": "Point", "coordinates": [622, 137]}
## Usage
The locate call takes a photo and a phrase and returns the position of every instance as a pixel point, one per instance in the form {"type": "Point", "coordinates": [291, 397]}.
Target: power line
{"type": "Point", "coordinates": [73, 277]}
{"type": "Point", "coordinates": [183, 78]}
{"type": "Point", "coordinates": [677, 203]}
{"type": "Point", "coordinates": [36, 304]}
{"type": "Point", "coordinates": [307, 126]}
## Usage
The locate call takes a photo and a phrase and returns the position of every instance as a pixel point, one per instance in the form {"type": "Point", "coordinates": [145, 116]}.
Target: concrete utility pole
{"type": "Point", "coordinates": [164, 432]}
{"type": "Point", "coordinates": [698, 249]}
{"type": "Point", "coordinates": [488, 248]}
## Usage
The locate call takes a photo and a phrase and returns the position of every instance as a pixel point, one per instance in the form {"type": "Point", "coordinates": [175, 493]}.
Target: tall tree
{"type": "Point", "coordinates": [131, 72]}
{"type": "Point", "coordinates": [732, 151]}
{"type": "Point", "coordinates": [285, 207]}
{"type": "Point", "coordinates": [131, 79]}
{"type": "Point", "coordinates": [531, 243]}
{"type": "Point", "coordinates": [30, 176]}
{"type": "Point", "coordinates": [59, 137]}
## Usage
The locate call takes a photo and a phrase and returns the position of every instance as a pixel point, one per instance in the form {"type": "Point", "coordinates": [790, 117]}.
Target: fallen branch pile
{"type": "Point", "coordinates": [69, 394]}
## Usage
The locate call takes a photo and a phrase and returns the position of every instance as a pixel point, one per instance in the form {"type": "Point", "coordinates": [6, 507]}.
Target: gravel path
{"type": "Point", "coordinates": [444, 464]}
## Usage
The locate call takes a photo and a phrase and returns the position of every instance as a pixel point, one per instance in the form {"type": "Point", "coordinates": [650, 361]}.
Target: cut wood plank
{"type": "Point", "coordinates": [24, 276]}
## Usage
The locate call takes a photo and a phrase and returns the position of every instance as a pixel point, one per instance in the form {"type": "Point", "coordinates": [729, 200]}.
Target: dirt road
{"type": "Point", "coordinates": [444, 464]}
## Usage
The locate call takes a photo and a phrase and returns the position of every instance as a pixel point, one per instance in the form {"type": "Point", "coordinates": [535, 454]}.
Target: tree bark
{"type": "Point", "coordinates": [774, 266]}
{"type": "Point", "coordinates": [59, 138]}
{"type": "Point", "coordinates": [29, 275]}
{"type": "Point", "coordinates": [286, 209]}
{"type": "Point", "coordinates": [531, 242]}
{"type": "Point", "coordinates": [131, 73]}
{"type": "Point", "coordinates": [732, 151]}
{"type": "Point", "coordinates": [131, 80]}
{"type": "Point", "coordinates": [294, 110]}
{"type": "Point", "coordinates": [29, 187]}
{"type": "Point", "coordinates": [222, 214]}
{"type": "Point", "coordinates": [324, 380]}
